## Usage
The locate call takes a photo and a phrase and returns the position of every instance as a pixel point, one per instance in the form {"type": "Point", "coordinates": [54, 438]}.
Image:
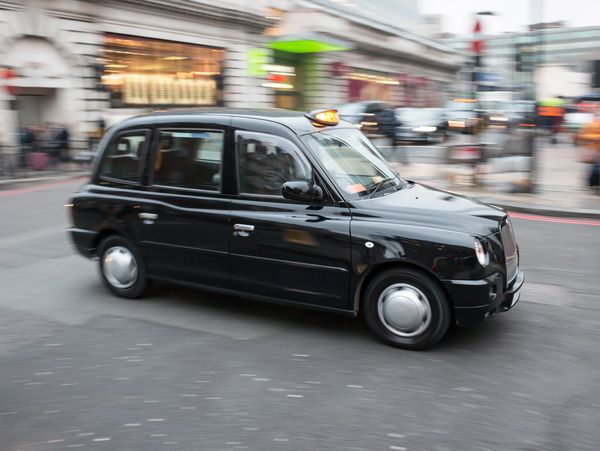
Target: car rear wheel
{"type": "Point", "coordinates": [121, 267]}
{"type": "Point", "coordinates": [407, 309]}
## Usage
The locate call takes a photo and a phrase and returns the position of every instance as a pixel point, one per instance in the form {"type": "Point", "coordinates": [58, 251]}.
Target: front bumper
{"type": "Point", "coordinates": [465, 292]}
{"type": "Point", "coordinates": [84, 241]}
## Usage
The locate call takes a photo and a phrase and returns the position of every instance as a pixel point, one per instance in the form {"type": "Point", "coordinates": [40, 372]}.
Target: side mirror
{"type": "Point", "coordinates": [302, 190]}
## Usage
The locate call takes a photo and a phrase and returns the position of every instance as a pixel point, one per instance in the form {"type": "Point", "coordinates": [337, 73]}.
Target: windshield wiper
{"type": "Point", "coordinates": [380, 184]}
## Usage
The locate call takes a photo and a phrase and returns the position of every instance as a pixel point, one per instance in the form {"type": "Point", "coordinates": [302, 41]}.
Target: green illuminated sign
{"type": "Point", "coordinates": [306, 46]}
{"type": "Point", "coordinates": [257, 62]}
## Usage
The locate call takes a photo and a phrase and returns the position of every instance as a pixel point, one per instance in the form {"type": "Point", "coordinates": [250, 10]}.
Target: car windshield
{"type": "Point", "coordinates": [354, 164]}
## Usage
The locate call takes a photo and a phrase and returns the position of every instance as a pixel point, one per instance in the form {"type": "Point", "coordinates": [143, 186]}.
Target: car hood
{"type": "Point", "coordinates": [420, 205]}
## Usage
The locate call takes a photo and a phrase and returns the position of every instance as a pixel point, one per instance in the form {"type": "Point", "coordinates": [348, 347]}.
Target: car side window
{"type": "Point", "coordinates": [266, 162]}
{"type": "Point", "coordinates": [124, 155]}
{"type": "Point", "coordinates": [189, 159]}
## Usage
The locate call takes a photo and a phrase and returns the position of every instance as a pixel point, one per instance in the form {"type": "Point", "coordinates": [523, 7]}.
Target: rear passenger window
{"type": "Point", "coordinates": [123, 156]}
{"type": "Point", "coordinates": [189, 159]}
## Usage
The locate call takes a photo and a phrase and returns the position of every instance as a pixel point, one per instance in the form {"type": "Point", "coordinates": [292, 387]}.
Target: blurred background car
{"type": "Point", "coordinates": [461, 115]}
{"type": "Point", "coordinates": [421, 125]}
{"type": "Point", "coordinates": [369, 116]}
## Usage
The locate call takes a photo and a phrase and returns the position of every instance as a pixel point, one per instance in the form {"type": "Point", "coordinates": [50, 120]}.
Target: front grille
{"type": "Point", "coordinates": [510, 250]}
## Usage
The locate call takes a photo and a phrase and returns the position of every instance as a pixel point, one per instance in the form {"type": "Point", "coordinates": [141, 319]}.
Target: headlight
{"type": "Point", "coordinates": [482, 256]}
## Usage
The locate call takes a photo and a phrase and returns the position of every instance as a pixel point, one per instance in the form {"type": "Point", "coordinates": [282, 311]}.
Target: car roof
{"type": "Point", "coordinates": [295, 120]}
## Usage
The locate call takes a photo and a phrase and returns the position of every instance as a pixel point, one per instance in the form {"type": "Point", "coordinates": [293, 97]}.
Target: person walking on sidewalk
{"type": "Point", "coordinates": [388, 125]}
{"type": "Point", "coordinates": [590, 136]}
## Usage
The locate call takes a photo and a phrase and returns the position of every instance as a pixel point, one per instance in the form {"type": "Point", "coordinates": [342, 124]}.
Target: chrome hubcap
{"type": "Point", "coordinates": [404, 310]}
{"type": "Point", "coordinates": [120, 267]}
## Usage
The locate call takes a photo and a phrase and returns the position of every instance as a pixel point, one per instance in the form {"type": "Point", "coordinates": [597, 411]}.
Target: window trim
{"type": "Point", "coordinates": [142, 162]}
{"type": "Point", "coordinates": [184, 189]}
{"type": "Point", "coordinates": [268, 197]}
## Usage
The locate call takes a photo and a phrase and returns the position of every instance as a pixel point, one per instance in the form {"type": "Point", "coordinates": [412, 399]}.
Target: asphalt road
{"type": "Point", "coordinates": [188, 370]}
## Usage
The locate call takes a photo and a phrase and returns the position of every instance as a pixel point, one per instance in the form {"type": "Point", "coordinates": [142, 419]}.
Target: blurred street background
{"type": "Point", "coordinates": [499, 100]}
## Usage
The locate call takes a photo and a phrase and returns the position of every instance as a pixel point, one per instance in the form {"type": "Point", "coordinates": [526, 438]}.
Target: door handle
{"type": "Point", "coordinates": [150, 216]}
{"type": "Point", "coordinates": [242, 230]}
{"type": "Point", "coordinates": [243, 227]}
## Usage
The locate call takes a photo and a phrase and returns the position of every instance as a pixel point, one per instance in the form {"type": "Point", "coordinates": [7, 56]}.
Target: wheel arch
{"type": "Point", "coordinates": [374, 271]}
{"type": "Point", "coordinates": [102, 235]}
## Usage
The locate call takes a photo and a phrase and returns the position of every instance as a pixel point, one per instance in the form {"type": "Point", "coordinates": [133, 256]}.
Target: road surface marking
{"type": "Point", "coordinates": [529, 217]}
{"type": "Point", "coordinates": [41, 187]}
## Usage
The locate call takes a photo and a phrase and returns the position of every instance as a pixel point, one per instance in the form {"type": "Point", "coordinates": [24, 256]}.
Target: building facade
{"type": "Point", "coordinates": [84, 64]}
{"type": "Point", "coordinates": [562, 60]}
{"type": "Point", "coordinates": [359, 59]}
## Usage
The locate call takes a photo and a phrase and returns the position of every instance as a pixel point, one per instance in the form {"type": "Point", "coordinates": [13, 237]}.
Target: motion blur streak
{"type": "Point", "coordinates": [529, 217]}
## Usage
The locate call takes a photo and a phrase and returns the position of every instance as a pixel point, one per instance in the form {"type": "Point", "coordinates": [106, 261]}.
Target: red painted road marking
{"type": "Point", "coordinates": [529, 217]}
{"type": "Point", "coordinates": [40, 187]}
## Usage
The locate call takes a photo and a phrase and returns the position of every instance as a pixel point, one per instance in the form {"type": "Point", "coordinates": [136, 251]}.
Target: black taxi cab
{"type": "Point", "coordinates": [295, 208]}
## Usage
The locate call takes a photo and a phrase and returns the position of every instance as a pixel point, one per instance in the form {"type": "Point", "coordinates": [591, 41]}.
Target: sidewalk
{"type": "Point", "coordinates": [560, 182]}
{"type": "Point", "coordinates": [29, 176]}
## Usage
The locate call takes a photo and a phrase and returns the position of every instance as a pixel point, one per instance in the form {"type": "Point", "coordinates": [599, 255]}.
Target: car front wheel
{"type": "Point", "coordinates": [121, 267]}
{"type": "Point", "coordinates": [407, 309]}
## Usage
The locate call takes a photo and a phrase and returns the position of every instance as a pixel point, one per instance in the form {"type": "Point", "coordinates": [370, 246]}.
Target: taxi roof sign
{"type": "Point", "coordinates": [323, 117]}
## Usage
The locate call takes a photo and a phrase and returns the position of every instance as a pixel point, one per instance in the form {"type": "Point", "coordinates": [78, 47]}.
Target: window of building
{"type": "Point", "coordinates": [123, 156]}
{"type": "Point", "coordinates": [189, 159]}
{"type": "Point", "coordinates": [266, 162]}
{"type": "Point", "coordinates": [151, 72]}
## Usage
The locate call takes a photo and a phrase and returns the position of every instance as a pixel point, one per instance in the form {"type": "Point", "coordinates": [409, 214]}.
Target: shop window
{"type": "Point", "coordinates": [123, 157]}
{"type": "Point", "coordinates": [189, 159]}
{"type": "Point", "coordinates": [151, 72]}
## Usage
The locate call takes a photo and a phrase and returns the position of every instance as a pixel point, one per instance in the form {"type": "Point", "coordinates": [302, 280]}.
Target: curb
{"type": "Point", "coordinates": [543, 211]}
{"type": "Point", "coordinates": [46, 178]}
{"type": "Point", "coordinates": [518, 207]}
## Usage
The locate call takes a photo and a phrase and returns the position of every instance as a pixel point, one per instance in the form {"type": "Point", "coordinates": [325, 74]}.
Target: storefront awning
{"type": "Point", "coordinates": [308, 43]}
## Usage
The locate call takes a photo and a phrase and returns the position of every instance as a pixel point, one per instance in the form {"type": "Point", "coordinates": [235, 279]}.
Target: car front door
{"type": "Point", "coordinates": [281, 248]}
{"type": "Point", "coordinates": [183, 224]}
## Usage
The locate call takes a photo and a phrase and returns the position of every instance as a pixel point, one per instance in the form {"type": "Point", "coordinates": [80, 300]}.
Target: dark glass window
{"type": "Point", "coordinates": [189, 159]}
{"type": "Point", "coordinates": [124, 155]}
{"type": "Point", "coordinates": [266, 162]}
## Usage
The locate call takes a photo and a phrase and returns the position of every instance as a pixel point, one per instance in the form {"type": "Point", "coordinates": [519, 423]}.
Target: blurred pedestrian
{"type": "Point", "coordinates": [590, 137]}
{"type": "Point", "coordinates": [388, 126]}
{"type": "Point", "coordinates": [26, 142]}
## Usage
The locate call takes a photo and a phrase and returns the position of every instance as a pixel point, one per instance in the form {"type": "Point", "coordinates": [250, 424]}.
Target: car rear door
{"type": "Point", "coordinates": [280, 248]}
{"type": "Point", "coordinates": [183, 220]}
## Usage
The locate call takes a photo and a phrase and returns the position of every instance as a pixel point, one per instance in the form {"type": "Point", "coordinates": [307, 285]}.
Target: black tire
{"type": "Point", "coordinates": [428, 332]}
{"type": "Point", "coordinates": [137, 288]}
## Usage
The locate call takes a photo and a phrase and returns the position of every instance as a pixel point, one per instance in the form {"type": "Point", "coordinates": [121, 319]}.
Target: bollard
{"type": "Point", "coordinates": [530, 145]}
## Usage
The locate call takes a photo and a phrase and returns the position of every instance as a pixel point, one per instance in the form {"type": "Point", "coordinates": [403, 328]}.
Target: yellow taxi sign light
{"type": "Point", "coordinates": [463, 100]}
{"type": "Point", "coordinates": [324, 117]}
